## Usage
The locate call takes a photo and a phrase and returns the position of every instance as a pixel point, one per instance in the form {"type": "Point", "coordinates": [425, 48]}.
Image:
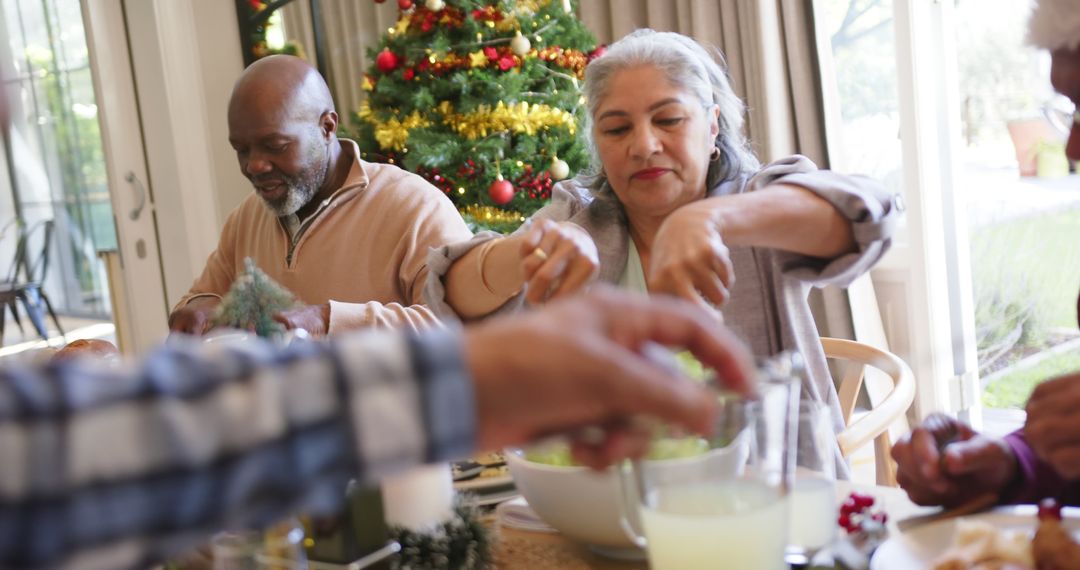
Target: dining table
{"type": "Point", "coordinates": [528, 550]}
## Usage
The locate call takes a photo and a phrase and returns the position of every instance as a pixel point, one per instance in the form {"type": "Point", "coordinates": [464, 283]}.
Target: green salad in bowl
{"type": "Point", "coordinates": [558, 453]}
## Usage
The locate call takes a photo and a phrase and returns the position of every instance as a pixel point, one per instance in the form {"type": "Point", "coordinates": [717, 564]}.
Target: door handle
{"type": "Point", "coordinates": [140, 195]}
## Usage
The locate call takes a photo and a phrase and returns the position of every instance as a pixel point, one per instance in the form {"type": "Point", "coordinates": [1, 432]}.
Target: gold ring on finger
{"type": "Point", "coordinates": [540, 253]}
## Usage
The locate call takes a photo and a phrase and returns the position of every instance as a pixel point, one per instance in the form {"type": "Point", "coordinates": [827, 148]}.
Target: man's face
{"type": "Point", "coordinates": [285, 158]}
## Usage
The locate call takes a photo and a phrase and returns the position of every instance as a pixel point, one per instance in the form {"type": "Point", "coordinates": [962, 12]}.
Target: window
{"type": "Point", "coordinates": [945, 104]}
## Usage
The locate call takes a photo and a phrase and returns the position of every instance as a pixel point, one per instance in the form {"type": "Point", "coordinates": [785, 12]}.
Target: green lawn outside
{"type": "Point", "coordinates": [1013, 390]}
{"type": "Point", "coordinates": [1026, 274]}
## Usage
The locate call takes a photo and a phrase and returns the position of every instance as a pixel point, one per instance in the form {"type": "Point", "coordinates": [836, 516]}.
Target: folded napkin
{"type": "Point", "coordinates": [517, 513]}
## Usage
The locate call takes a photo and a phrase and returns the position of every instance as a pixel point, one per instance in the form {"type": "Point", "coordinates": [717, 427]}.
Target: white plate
{"type": "Point", "coordinates": [920, 546]}
{"type": "Point", "coordinates": [479, 484]}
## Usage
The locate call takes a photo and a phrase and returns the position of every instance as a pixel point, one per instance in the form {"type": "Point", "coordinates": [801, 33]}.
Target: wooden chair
{"type": "Point", "coordinates": [873, 425]}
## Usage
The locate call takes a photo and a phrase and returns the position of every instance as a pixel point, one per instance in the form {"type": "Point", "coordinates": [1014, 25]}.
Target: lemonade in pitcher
{"type": "Point", "coordinates": [735, 524]}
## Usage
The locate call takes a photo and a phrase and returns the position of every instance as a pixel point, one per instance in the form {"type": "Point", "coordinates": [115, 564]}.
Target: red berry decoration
{"type": "Point", "coordinates": [404, 4]}
{"type": "Point", "coordinates": [501, 192]}
{"type": "Point", "coordinates": [386, 61]}
{"type": "Point", "coordinates": [1049, 509]}
{"type": "Point", "coordinates": [855, 515]}
{"type": "Point", "coordinates": [598, 52]}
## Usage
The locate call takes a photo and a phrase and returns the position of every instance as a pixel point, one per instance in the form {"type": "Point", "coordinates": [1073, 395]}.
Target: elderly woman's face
{"type": "Point", "coordinates": [654, 140]}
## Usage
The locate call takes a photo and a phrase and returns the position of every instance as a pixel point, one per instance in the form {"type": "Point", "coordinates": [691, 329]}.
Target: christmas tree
{"type": "Point", "coordinates": [481, 98]}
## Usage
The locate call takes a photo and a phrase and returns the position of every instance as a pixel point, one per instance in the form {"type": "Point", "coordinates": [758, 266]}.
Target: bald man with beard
{"type": "Point", "coordinates": [349, 238]}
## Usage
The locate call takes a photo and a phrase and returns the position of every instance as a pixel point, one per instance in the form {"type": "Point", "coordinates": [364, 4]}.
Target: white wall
{"type": "Point", "coordinates": [186, 56]}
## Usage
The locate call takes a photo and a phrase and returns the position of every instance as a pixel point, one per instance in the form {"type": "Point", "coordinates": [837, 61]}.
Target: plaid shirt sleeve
{"type": "Point", "coordinates": [103, 467]}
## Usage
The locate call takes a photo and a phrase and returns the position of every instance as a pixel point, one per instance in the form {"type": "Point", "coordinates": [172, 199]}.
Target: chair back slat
{"type": "Point", "coordinates": [38, 267]}
{"type": "Point", "coordinates": [17, 271]}
{"type": "Point", "coordinates": [850, 384]}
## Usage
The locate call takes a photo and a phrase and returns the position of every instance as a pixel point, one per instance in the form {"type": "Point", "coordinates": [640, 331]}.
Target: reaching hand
{"type": "Point", "coordinates": [557, 258]}
{"type": "Point", "coordinates": [689, 259]}
{"type": "Point", "coordinates": [194, 317]}
{"type": "Point", "coordinates": [579, 362]}
{"type": "Point", "coordinates": [945, 462]}
{"type": "Point", "coordinates": [1053, 426]}
{"type": "Point", "coordinates": [315, 319]}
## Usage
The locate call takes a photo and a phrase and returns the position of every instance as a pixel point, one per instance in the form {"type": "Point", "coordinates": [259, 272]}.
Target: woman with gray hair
{"type": "Point", "coordinates": [678, 204]}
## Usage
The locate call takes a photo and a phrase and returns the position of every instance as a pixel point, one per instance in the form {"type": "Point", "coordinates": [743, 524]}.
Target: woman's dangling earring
{"type": "Point", "coordinates": [715, 154]}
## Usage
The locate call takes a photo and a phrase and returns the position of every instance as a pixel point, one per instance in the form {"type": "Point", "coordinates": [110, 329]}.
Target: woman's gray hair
{"type": "Point", "coordinates": [687, 65]}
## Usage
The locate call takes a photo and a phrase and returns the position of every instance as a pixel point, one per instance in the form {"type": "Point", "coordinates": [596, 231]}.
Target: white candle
{"type": "Point", "coordinates": [419, 499]}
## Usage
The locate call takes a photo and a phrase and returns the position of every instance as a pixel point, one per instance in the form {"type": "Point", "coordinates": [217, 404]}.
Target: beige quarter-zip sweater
{"type": "Point", "coordinates": [364, 250]}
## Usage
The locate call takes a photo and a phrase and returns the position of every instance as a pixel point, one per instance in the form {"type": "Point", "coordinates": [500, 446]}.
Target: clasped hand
{"type": "Point", "coordinates": [945, 462]}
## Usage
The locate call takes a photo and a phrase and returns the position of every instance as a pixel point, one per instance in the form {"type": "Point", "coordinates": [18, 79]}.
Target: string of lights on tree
{"type": "Point", "coordinates": [481, 98]}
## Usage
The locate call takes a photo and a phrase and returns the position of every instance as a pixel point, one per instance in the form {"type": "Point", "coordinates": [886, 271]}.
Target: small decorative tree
{"type": "Point", "coordinates": [252, 301]}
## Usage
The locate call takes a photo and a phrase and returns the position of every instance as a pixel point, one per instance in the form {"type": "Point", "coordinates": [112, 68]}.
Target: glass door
{"type": "Point", "coordinates": [56, 168]}
{"type": "Point", "coordinates": [1023, 208]}
{"type": "Point", "coordinates": [74, 155]}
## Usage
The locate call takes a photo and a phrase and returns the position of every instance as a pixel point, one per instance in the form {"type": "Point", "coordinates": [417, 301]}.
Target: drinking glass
{"type": "Point", "coordinates": [813, 497]}
{"type": "Point", "coordinates": [280, 547]}
{"type": "Point", "coordinates": [726, 507]}
{"type": "Point", "coordinates": [234, 550]}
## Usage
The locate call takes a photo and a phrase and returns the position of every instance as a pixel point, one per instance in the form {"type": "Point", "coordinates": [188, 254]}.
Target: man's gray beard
{"type": "Point", "coordinates": [297, 197]}
{"type": "Point", "coordinates": [302, 188]}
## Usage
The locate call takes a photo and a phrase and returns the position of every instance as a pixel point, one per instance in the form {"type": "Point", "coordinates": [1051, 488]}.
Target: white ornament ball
{"type": "Point", "coordinates": [520, 45]}
{"type": "Point", "coordinates": [435, 5]}
{"type": "Point", "coordinates": [559, 169]}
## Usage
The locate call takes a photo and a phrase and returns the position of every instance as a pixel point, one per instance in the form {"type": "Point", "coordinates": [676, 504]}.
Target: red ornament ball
{"type": "Point", "coordinates": [598, 52]}
{"type": "Point", "coordinates": [386, 61]}
{"type": "Point", "coordinates": [404, 4]}
{"type": "Point", "coordinates": [501, 192]}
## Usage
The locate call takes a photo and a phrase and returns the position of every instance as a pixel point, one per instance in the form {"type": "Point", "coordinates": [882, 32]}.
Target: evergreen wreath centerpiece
{"type": "Point", "coordinates": [460, 543]}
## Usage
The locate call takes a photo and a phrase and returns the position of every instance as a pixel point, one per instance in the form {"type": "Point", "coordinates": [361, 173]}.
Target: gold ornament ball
{"type": "Point", "coordinates": [559, 169]}
{"type": "Point", "coordinates": [435, 5]}
{"type": "Point", "coordinates": [520, 45]}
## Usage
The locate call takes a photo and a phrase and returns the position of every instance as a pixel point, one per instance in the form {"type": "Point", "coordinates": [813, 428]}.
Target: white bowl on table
{"type": "Point", "coordinates": [583, 504]}
{"type": "Point", "coordinates": [580, 503]}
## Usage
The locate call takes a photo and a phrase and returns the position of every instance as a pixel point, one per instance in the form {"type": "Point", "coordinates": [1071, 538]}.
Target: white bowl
{"type": "Point", "coordinates": [583, 504]}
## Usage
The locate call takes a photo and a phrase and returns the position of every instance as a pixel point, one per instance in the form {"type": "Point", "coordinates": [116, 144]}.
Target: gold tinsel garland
{"type": "Point", "coordinates": [522, 117]}
{"type": "Point", "coordinates": [492, 215]}
{"type": "Point", "coordinates": [392, 133]}
{"type": "Point", "coordinates": [517, 117]}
